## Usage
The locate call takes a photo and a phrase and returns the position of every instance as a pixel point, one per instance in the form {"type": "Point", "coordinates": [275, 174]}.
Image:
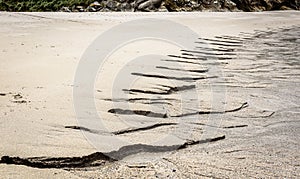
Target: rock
{"type": "Point", "coordinates": [137, 3]}
{"type": "Point", "coordinates": [91, 9]}
{"type": "Point", "coordinates": [229, 5]}
{"type": "Point", "coordinates": [285, 8]}
{"type": "Point", "coordinates": [119, 7]}
{"type": "Point", "coordinates": [263, 5]}
{"type": "Point", "coordinates": [105, 10]}
{"type": "Point", "coordinates": [126, 7]}
{"type": "Point", "coordinates": [171, 6]}
{"type": "Point", "coordinates": [65, 9]}
{"type": "Point", "coordinates": [79, 7]}
{"type": "Point", "coordinates": [147, 5]}
{"type": "Point", "coordinates": [111, 5]}
{"type": "Point", "coordinates": [122, 1]}
{"type": "Point", "coordinates": [95, 4]}
{"type": "Point", "coordinates": [162, 8]}
{"type": "Point", "coordinates": [156, 3]}
{"type": "Point", "coordinates": [216, 5]}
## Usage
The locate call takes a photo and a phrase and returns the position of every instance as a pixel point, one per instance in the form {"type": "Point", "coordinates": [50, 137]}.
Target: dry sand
{"type": "Point", "coordinates": [40, 53]}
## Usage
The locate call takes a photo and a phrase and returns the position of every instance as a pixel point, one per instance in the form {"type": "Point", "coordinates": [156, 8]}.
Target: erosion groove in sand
{"type": "Point", "coordinates": [143, 128]}
{"type": "Point", "coordinates": [244, 105]}
{"type": "Point", "coordinates": [178, 69]}
{"type": "Point", "coordinates": [172, 77]}
{"type": "Point", "coordinates": [98, 158]}
{"type": "Point", "coordinates": [165, 115]}
{"type": "Point", "coordinates": [165, 90]}
{"type": "Point", "coordinates": [138, 112]}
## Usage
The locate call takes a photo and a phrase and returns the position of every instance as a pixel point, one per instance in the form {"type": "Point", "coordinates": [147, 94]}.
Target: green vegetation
{"type": "Point", "coordinates": [40, 5]}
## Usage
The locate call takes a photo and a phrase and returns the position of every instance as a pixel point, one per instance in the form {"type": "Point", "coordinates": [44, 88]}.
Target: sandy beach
{"type": "Point", "coordinates": [222, 104]}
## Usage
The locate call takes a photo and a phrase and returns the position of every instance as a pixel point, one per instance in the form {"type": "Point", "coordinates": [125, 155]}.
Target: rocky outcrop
{"type": "Point", "coordinates": [187, 5]}
{"type": "Point", "coordinates": [150, 5]}
{"type": "Point", "coordinates": [102, 6]}
{"type": "Point", "coordinates": [204, 5]}
{"type": "Point", "coordinates": [267, 5]}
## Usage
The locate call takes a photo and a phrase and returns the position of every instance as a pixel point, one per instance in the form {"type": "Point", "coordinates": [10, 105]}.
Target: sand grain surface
{"type": "Point", "coordinates": [255, 135]}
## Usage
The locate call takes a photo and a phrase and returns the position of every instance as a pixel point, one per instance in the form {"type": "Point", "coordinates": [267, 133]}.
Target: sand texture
{"type": "Point", "coordinates": [225, 105]}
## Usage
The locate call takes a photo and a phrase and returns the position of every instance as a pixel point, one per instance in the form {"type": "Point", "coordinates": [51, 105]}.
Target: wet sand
{"type": "Point", "coordinates": [228, 107]}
